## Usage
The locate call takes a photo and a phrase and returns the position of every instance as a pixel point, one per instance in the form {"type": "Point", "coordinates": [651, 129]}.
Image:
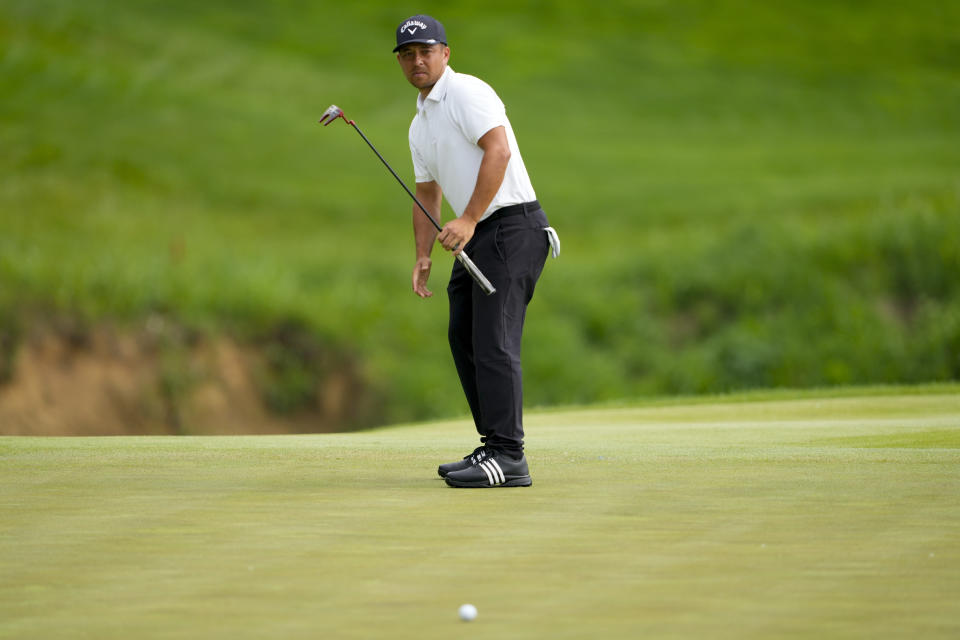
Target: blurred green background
{"type": "Point", "coordinates": [749, 194]}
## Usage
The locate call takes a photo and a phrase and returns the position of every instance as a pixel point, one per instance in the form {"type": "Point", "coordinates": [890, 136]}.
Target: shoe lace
{"type": "Point", "coordinates": [480, 453]}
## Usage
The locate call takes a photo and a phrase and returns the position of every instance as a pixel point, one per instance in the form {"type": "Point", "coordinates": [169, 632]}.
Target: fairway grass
{"type": "Point", "coordinates": [780, 517]}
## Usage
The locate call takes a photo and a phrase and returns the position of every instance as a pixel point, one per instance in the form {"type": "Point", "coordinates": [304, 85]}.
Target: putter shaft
{"type": "Point", "coordinates": [335, 112]}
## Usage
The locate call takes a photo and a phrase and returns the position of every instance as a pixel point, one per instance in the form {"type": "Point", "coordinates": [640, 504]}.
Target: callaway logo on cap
{"type": "Point", "coordinates": [420, 29]}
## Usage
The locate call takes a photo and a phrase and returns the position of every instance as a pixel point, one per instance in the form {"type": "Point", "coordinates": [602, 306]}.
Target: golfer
{"type": "Point", "coordinates": [463, 148]}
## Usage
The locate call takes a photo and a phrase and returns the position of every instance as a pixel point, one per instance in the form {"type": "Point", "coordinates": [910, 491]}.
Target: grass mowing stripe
{"type": "Point", "coordinates": [661, 520]}
{"type": "Point", "coordinates": [926, 439]}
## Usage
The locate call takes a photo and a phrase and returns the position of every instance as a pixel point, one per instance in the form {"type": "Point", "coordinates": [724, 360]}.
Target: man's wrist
{"type": "Point", "coordinates": [472, 217]}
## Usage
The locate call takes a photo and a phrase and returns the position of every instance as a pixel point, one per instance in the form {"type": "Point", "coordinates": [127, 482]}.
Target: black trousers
{"type": "Point", "coordinates": [510, 248]}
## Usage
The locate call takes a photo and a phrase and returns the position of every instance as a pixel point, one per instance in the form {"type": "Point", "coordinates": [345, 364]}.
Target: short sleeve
{"type": "Point", "coordinates": [420, 171]}
{"type": "Point", "coordinates": [476, 108]}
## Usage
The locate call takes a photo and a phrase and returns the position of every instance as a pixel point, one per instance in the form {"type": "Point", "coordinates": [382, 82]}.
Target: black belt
{"type": "Point", "coordinates": [513, 210]}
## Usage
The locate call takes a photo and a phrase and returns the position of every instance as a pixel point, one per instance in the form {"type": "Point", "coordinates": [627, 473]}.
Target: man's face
{"type": "Point", "coordinates": [423, 64]}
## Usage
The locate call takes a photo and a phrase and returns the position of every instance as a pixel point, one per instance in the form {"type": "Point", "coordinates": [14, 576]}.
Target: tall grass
{"type": "Point", "coordinates": [749, 195]}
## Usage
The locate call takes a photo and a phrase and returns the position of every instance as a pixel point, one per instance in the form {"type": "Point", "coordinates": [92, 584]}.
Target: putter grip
{"type": "Point", "coordinates": [478, 277]}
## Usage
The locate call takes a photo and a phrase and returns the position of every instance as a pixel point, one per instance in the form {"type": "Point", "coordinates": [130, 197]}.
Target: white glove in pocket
{"type": "Point", "coordinates": [554, 241]}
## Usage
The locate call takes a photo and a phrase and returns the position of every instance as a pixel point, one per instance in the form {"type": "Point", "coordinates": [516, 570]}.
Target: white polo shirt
{"type": "Point", "coordinates": [459, 110]}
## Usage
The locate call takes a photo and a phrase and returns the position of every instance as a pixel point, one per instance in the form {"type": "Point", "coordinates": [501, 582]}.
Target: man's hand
{"type": "Point", "coordinates": [421, 273]}
{"type": "Point", "coordinates": [456, 234]}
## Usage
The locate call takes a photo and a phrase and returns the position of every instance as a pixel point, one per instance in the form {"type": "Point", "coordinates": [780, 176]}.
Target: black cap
{"type": "Point", "coordinates": [420, 29]}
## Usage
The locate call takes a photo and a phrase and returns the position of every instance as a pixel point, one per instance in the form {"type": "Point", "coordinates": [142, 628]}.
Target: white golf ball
{"type": "Point", "coordinates": [467, 612]}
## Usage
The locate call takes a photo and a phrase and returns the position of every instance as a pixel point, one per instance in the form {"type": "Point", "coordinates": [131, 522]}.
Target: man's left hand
{"type": "Point", "coordinates": [456, 234]}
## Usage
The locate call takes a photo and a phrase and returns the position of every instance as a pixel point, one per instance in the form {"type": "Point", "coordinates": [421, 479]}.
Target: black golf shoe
{"type": "Point", "coordinates": [468, 460]}
{"type": "Point", "coordinates": [492, 470]}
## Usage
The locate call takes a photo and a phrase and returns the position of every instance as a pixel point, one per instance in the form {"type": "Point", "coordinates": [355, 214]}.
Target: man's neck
{"type": "Point", "coordinates": [425, 91]}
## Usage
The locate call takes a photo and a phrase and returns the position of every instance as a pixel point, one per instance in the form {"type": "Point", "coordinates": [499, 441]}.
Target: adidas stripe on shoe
{"type": "Point", "coordinates": [468, 460]}
{"type": "Point", "coordinates": [493, 470]}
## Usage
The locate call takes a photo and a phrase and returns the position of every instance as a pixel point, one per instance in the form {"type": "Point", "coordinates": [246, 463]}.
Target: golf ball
{"type": "Point", "coordinates": [467, 612]}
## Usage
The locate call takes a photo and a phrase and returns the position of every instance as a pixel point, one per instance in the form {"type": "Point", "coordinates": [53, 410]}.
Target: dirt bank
{"type": "Point", "coordinates": [160, 379]}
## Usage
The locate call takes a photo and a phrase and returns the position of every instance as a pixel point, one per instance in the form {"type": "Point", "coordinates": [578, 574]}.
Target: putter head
{"type": "Point", "coordinates": [331, 114]}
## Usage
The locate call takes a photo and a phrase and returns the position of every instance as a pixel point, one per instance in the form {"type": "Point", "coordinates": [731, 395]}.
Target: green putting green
{"type": "Point", "coordinates": [769, 516]}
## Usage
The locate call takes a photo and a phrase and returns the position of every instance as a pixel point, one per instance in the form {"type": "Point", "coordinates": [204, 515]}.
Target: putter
{"type": "Point", "coordinates": [335, 112]}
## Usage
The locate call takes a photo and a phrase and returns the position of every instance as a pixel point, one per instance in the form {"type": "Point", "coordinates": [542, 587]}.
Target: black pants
{"type": "Point", "coordinates": [510, 248]}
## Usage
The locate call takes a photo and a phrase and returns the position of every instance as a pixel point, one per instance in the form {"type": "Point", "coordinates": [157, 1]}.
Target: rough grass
{"type": "Point", "coordinates": [749, 195]}
{"type": "Point", "coordinates": [764, 517]}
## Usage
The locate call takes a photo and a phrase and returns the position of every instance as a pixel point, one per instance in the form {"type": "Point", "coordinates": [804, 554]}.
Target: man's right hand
{"type": "Point", "coordinates": [421, 273]}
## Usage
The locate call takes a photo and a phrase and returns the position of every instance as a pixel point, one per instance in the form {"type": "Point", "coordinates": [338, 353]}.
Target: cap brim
{"type": "Point", "coordinates": [418, 41]}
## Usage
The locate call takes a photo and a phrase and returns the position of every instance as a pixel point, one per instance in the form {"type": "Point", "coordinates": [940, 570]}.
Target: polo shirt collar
{"type": "Point", "coordinates": [439, 90]}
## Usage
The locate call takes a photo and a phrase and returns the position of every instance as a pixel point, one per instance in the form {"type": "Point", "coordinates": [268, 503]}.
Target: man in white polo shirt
{"type": "Point", "coordinates": [463, 147]}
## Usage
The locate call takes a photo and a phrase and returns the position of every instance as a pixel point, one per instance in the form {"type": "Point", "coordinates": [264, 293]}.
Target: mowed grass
{"type": "Point", "coordinates": [773, 517]}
